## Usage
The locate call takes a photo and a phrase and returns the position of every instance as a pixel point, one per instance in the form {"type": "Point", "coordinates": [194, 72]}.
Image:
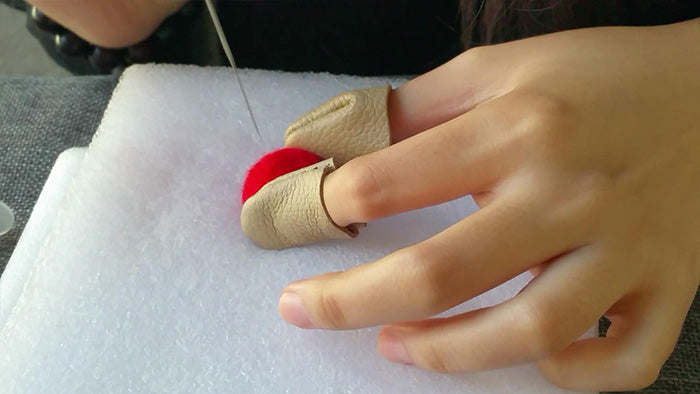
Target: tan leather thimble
{"type": "Point", "coordinates": [349, 125]}
{"type": "Point", "coordinates": [289, 211]}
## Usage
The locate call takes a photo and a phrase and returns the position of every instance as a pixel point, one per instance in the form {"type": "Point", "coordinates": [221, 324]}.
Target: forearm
{"type": "Point", "coordinates": [109, 23]}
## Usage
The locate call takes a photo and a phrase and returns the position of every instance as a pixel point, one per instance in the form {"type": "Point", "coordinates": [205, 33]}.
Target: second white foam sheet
{"type": "Point", "coordinates": [146, 281]}
{"type": "Point", "coordinates": [24, 256]}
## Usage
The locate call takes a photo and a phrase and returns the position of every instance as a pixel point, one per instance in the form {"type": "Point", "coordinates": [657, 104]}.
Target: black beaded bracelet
{"type": "Point", "coordinates": [170, 43]}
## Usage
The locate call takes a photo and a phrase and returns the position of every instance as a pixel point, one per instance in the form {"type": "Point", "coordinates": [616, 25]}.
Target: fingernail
{"type": "Point", "coordinates": [393, 349]}
{"type": "Point", "coordinates": [292, 310]}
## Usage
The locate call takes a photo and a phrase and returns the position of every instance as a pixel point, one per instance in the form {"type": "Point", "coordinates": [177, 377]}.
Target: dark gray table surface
{"type": "Point", "coordinates": [41, 117]}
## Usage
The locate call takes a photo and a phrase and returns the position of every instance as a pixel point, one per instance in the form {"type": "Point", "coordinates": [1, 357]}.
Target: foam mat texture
{"type": "Point", "coordinates": [37, 228]}
{"type": "Point", "coordinates": [145, 282]}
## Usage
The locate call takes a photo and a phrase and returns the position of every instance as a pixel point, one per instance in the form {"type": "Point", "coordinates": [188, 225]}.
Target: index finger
{"type": "Point", "coordinates": [465, 155]}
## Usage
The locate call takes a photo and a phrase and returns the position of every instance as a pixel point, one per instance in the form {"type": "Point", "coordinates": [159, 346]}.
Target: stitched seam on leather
{"type": "Point", "coordinates": [346, 230]}
{"type": "Point", "coordinates": [298, 172]}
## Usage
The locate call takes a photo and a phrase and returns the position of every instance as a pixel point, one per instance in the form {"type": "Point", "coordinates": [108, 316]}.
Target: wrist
{"type": "Point", "coordinates": [172, 41]}
{"type": "Point", "coordinates": [108, 23]}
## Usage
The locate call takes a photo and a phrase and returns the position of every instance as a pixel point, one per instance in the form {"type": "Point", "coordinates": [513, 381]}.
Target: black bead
{"type": "Point", "coordinates": [69, 44]}
{"type": "Point", "coordinates": [43, 22]}
{"type": "Point", "coordinates": [191, 9]}
{"type": "Point", "coordinates": [143, 52]}
{"type": "Point", "coordinates": [106, 59]}
{"type": "Point", "coordinates": [167, 31]}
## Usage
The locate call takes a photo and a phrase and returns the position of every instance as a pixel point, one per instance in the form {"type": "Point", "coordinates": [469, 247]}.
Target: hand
{"type": "Point", "coordinates": [110, 23]}
{"type": "Point", "coordinates": [583, 150]}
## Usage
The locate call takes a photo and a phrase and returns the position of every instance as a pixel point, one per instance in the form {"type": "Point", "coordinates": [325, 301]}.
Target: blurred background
{"type": "Point", "coordinates": [20, 52]}
{"type": "Point", "coordinates": [339, 37]}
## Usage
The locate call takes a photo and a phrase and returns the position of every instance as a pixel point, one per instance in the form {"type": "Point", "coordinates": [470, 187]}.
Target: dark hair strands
{"type": "Point", "coordinates": [494, 21]}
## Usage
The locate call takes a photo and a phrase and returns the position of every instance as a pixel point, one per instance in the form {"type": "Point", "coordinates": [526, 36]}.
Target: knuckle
{"type": "Point", "coordinates": [554, 371]}
{"type": "Point", "coordinates": [587, 199]}
{"type": "Point", "coordinates": [364, 189]}
{"type": "Point", "coordinates": [432, 358]}
{"type": "Point", "coordinates": [629, 374]}
{"type": "Point", "coordinates": [546, 111]}
{"type": "Point", "coordinates": [545, 119]}
{"type": "Point", "coordinates": [427, 278]}
{"type": "Point", "coordinates": [542, 331]}
{"type": "Point", "coordinates": [330, 311]}
{"type": "Point", "coordinates": [474, 56]}
{"type": "Point", "coordinates": [544, 345]}
{"type": "Point", "coordinates": [641, 372]}
{"type": "Point", "coordinates": [591, 196]}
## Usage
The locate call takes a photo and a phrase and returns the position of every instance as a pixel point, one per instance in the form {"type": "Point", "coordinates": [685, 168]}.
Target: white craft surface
{"type": "Point", "coordinates": [144, 281]}
{"type": "Point", "coordinates": [24, 257]}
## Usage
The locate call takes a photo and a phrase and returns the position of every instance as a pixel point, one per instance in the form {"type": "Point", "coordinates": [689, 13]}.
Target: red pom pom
{"type": "Point", "coordinates": [274, 165]}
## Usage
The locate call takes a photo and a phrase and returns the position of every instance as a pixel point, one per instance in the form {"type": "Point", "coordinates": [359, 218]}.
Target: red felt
{"type": "Point", "coordinates": [276, 164]}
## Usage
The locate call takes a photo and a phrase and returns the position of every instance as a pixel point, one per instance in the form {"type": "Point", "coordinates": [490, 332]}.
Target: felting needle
{"type": "Point", "coordinates": [227, 50]}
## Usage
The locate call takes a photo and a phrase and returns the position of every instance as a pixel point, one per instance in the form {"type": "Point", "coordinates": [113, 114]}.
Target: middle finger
{"type": "Point", "coordinates": [474, 255]}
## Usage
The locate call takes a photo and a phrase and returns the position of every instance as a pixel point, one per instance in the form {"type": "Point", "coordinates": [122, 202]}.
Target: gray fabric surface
{"type": "Point", "coordinates": [41, 117]}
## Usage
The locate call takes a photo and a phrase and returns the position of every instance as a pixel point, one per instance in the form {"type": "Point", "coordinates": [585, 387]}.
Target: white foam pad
{"type": "Point", "coordinates": [24, 257]}
{"type": "Point", "coordinates": [145, 282]}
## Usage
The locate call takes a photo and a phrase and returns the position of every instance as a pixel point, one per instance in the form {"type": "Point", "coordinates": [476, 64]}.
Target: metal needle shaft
{"type": "Point", "coordinates": [229, 55]}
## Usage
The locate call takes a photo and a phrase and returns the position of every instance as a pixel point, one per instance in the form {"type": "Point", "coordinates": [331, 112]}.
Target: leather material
{"type": "Point", "coordinates": [349, 125]}
{"type": "Point", "coordinates": [289, 211]}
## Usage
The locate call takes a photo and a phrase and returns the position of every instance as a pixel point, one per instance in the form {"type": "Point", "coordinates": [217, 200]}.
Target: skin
{"type": "Point", "coordinates": [583, 150]}
{"type": "Point", "coordinates": [110, 23]}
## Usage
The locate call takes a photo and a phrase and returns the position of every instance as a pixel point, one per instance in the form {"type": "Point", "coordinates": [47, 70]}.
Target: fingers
{"type": "Point", "coordinates": [632, 354]}
{"type": "Point", "coordinates": [474, 255]}
{"type": "Point", "coordinates": [444, 93]}
{"type": "Point", "coordinates": [555, 309]}
{"type": "Point", "coordinates": [461, 156]}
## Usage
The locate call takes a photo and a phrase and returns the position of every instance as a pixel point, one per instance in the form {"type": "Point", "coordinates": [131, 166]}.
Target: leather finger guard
{"type": "Point", "coordinates": [289, 211]}
{"type": "Point", "coordinates": [349, 125]}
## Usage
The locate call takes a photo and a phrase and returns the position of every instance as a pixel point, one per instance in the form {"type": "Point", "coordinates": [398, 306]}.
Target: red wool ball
{"type": "Point", "coordinates": [274, 165]}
